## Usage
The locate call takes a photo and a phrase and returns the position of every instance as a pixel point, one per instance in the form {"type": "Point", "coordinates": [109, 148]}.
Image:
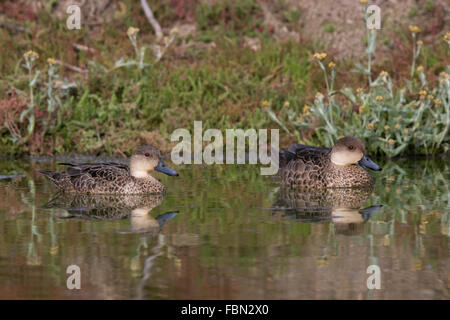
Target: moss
{"type": "Point", "coordinates": [329, 28]}
{"type": "Point", "coordinates": [429, 6]}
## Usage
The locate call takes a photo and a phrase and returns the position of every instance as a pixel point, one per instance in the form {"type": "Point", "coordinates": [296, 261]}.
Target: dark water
{"type": "Point", "coordinates": [227, 232]}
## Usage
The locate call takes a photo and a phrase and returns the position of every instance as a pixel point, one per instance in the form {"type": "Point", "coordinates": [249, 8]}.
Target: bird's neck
{"type": "Point", "coordinates": [135, 172]}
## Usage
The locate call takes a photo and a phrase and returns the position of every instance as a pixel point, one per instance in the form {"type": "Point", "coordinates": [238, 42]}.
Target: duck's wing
{"type": "Point", "coordinates": [305, 153]}
{"type": "Point", "coordinates": [89, 177]}
{"type": "Point", "coordinates": [104, 170]}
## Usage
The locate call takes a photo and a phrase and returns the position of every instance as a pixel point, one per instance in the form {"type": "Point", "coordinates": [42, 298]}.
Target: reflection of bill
{"type": "Point", "coordinates": [143, 222]}
{"type": "Point", "coordinates": [113, 207]}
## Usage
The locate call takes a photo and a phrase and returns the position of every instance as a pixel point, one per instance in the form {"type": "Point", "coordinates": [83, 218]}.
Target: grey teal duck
{"type": "Point", "coordinates": [317, 167]}
{"type": "Point", "coordinates": [114, 178]}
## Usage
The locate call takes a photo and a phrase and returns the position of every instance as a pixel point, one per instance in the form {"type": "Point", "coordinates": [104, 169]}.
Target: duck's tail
{"type": "Point", "coordinates": [287, 155]}
{"type": "Point", "coordinates": [58, 178]}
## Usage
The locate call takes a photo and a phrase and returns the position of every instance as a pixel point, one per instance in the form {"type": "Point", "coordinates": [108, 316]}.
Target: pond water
{"type": "Point", "coordinates": [226, 232]}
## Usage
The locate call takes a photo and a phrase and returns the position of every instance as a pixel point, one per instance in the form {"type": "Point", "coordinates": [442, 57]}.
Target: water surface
{"type": "Point", "coordinates": [226, 232]}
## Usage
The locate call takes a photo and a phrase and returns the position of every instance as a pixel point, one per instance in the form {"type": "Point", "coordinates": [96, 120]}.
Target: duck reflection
{"type": "Point", "coordinates": [341, 205]}
{"type": "Point", "coordinates": [113, 207]}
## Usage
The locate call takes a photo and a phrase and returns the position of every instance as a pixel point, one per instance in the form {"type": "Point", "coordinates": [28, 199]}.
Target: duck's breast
{"type": "Point", "coordinates": [347, 176]}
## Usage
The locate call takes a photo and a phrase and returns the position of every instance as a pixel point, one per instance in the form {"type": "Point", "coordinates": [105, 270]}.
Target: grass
{"type": "Point", "coordinates": [138, 91]}
{"type": "Point", "coordinates": [329, 28]}
{"type": "Point", "coordinates": [412, 117]}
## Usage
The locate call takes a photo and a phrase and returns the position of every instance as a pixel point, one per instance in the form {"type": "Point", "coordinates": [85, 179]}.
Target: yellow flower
{"type": "Point", "coordinates": [405, 131]}
{"type": "Point", "coordinates": [363, 2]}
{"type": "Point", "coordinates": [420, 69]}
{"type": "Point", "coordinates": [132, 31]}
{"type": "Point", "coordinates": [286, 104]}
{"type": "Point", "coordinates": [414, 29]}
{"type": "Point", "coordinates": [166, 40]}
{"type": "Point", "coordinates": [387, 128]}
{"type": "Point", "coordinates": [58, 83]}
{"type": "Point", "coordinates": [174, 31]}
{"type": "Point", "coordinates": [391, 142]}
{"type": "Point", "coordinates": [361, 109]}
{"type": "Point", "coordinates": [418, 264]}
{"type": "Point", "coordinates": [306, 108]}
{"type": "Point", "coordinates": [383, 74]}
{"type": "Point", "coordinates": [447, 36]}
{"type": "Point", "coordinates": [331, 65]}
{"type": "Point", "coordinates": [420, 43]}
{"type": "Point", "coordinates": [370, 126]}
{"type": "Point", "coordinates": [51, 61]}
{"type": "Point", "coordinates": [319, 95]}
{"type": "Point", "coordinates": [430, 96]}
{"type": "Point", "coordinates": [54, 250]}
{"type": "Point", "coordinates": [265, 103]}
{"type": "Point", "coordinates": [322, 262]}
{"type": "Point", "coordinates": [399, 118]}
{"type": "Point", "coordinates": [379, 98]}
{"type": "Point", "coordinates": [359, 90]}
{"type": "Point", "coordinates": [307, 113]}
{"type": "Point", "coordinates": [31, 53]}
{"type": "Point", "coordinates": [423, 93]}
{"type": "Point", "coordinates": [320, 56]}
{"type": "Point", "coordinates": [397, 126]}
{"type": "Point", "coordinates": [444, 75]}
{"type": "Point", "coordinates": [386, 241]}
{"type": "Point", "coordinates": [437, 101]}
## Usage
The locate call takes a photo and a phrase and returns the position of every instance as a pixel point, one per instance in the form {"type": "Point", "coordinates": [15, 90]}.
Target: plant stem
{"type": "Point", "coordinates": [413, 66]}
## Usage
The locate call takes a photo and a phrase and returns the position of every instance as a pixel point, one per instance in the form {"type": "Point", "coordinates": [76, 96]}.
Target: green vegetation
{"type": "Point", "coordinates": [429, 6]}
{"type": "Point", "coordinates": [329, 28]}
{"type": "Point", "coordinates": [59, 96]}
{"type": "Point", "coordinates": [412, 118]}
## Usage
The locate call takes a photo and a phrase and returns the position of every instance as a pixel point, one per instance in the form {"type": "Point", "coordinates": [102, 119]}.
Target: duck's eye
{"type": "Point", "coordinates": [350, 147]}
{"type": "Point", "coordinates": [147, 154]}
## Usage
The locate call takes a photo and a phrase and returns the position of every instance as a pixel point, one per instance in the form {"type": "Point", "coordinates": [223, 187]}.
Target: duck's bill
{"type": "Point", "coordinates": [368, 163]}
{"type": "Point", "coordinates": [161, 167]}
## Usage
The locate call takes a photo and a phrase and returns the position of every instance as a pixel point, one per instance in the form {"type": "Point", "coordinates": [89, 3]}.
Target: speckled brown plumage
{"type": "Point", "coordinates": [310, 167]}
{"type": "Point", "coordinates": [102, 178]}
{"type": "Point", "coordinates": [111, 177]}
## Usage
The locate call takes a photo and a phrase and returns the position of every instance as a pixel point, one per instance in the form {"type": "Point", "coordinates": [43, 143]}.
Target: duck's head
{"type": "Point", "coordinates": [351, 150]}
{"type": "Point", "coordinates": [147, 158]}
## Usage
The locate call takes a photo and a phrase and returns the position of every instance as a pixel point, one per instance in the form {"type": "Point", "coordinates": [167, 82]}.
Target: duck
{"type": "Point", "coordinates": [112, 177]}
{"type": "Point", "coordinates": [343, 166]}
